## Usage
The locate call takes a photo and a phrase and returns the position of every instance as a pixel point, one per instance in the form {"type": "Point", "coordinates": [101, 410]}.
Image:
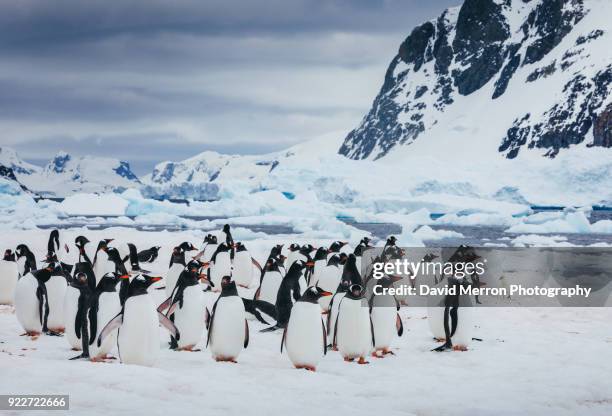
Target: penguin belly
{"type": "Point", "coordinates": [172, 277]}
{"type": "Point", "coordinates": [138, 339]}
{"type": "Point", "coordinates": [435, 319]}
{"type": "Point", "coordinates": [243, 269]}
{"type": "Point", "coordinates": [329, 279]}
{"type": "Point", "coordinates": [384, 320]}
{"type": "Point", "coordinates": [333, 315]}
{"type": "Point", "coordinates": [220, 268]}
{"type": "Point", "coordinates": [102, 266]}
{"type": "Point", "coordinates": [108, 307]}
{"type": "Point", "coordinates": [21, 265]}
{"type": "Point", "coordinates": [228, 330]}
{"type": "Point", "coordinates": [318, 268]}
{"type": "Point", "coordinates": [190, 318]}
{"type": "Point", "coordinates": [56, 292]}
{"type": "Point", "coordinates": [71, 306]}
{"type": "Point", "coordinates": [305, 339]}
{"type": "Point", "coordinates": [27, 305]}
{"type": "Point", "coordinates": [8, 281]}
{"type": "Point", "coordinates": [209, 250]}
{"type": "Point", "coordinates": [269, 286]}
{"type": "Point", "coordinates": [354, 338]}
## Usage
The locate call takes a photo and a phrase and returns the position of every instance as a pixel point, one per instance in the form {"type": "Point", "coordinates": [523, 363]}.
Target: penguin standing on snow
{"type": "Point", "coordinates": [9, 274]}
{"type": "Point", "coordinates": [82, 332]}
{"type": "Point", "coordinates": [26, 261]}
{"type": "Point", "coordinates": [243, 266]}
{"type": "Point", "coordinates": [104, 305]}
{"type": "Point", "coordinates": [320, 261]}
{"type": "Point", "coordinates": [221, 265]}
{"type": "Point", "coordinates": [288, 292]}
{"type": "Point", "coordinates": [386, 321]}
{"type": "Point", "coordinates": [138, 325]}
{"type": "Point", "coordinates": [354, 334]}
{"type": "Point", "coordinates": [330, 276]}
{"type": "Point", "coordinates": [208, 249]}
{"type": "Point", "coordinates": [305, 337]}
{"type": "Point", "coordinates": [270, 282]}
{"type": "Point", "coordinates": [186, 308]}
{"type": "Point", "coordinates": [31, 303]}
{"type": "Point", "coordinates": [335, 248]}
{"type": "Point", "coordinates": [228, 329]}
{"type": "Point", "coordinates": [177, 265]}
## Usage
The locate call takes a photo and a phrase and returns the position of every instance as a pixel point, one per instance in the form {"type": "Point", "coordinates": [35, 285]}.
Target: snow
{"type": "Point", "coordinates": [92, 204]}
{"type": "Point", "coordinates": [525, 353]}
{"type": "Point", "coordinates": [571, 222]}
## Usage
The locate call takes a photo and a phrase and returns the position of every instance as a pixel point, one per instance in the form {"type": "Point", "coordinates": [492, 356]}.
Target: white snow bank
{"type": "Point", "coordinates": [571, 222]}
{"type": "Point", "coordinates": [94, 204]}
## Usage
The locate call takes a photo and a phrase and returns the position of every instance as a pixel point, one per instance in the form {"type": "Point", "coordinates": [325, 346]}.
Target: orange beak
{"type": "Point", "coordinates": [124, 276]}
{"type": "Point", "coordinates": [326, 293]}
{"type": "Point", "coordinates": [310, 264]}
{"type": "Point", "coordinates": [156, 278]}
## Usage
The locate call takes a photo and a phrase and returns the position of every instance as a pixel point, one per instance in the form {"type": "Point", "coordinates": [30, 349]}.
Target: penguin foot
{"type": "Point", "coordinates": [439, 339]}
{"type": "Point", "coordinates": [387, 351]}
{"type": "Point", "coordinates": [75, 349]}
{"type": "Point", "coordinates": [446, 346]}
{"type": "Point", "coordinates": [459, 348]}
{"type": "Point", "coordinates": [95, 359]}
{"type": "Point", "coordinates": [375, 355]}
{"type": "Point", "coordinates": [30, 334]}
{"type": "Point", "coordinates": [54, 334]}
{"type": "Point", "coordinates": [362, 361]}
{"type": "Point", "coordinates": [225, 360]}
{"type": "Point", "coordinates": [306, 367]}
{"type": "Point", "coordinates": [79, 357]}
{"type": "Point", "coordinates": [334, 348]}
{"type": "Point", "coordinates": [349, 360]}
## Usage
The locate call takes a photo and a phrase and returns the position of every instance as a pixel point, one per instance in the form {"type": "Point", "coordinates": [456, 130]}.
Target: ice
{"type": "Point", "coordinates": [571, 222]}
{"type": "Point", "coordinates": [94, 204]}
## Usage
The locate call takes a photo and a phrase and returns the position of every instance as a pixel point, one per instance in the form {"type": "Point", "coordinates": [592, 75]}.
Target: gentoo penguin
{"type": "Point", "coordinates": [330, 276]}
{"type": "Point", "coordinates": [186, 307]}
{"type": "Point", "coordinates": [26, 261]}
{"type": "Point", "coordinates": [293, 254]}
{"type": "Point", "coordinates": [56, 286]}
{"type": "Point", "coordinates": [320, 261]}
{"type": "Point", "coordinates": [243, 266]}
{"type": "Point", "coordinates": [229, 240]}
{"type": "Point", "coordinates": [221, 265]}
{"type": "Point", "coordinates": [138, 325]}
{"type": "Point", "coordinates": [334, 306]}
{"type": "Point", "coordinates": [270, 282]}
{"type": "Point", "coordinates": [288, 292]}
{"type": "Point", "coordinates": [457, 329]}
{"type": "Point", "coordinates": [72, 303]}
{"type": "Point", "coordinates": [362, 249]}
{"type": "Point", "coordinates": [353, 334]}
{"type": "Point", "coordinates": [177, 265]}
{"type": "Point", "coordinates": [209, 248]}
{"type": "Point", "coordinates": [104, 305]}
{"type": "Point", "coordinates": [335, 248]}
{"type": "Point", "coordinates": [386, 320]}
{"type": "Point", "coordinates": [9, 274]}
{"type": "Point", "coordinates": [101, 263]}
{"type": "Point", "coordinates": [228, 329]}
{"type": "Point", "coordinates": [148, 256]}
{"type": "Point", "coordinates": [305, 336]}
{"type": "Point", "coordinates": [81, 323]}
{"type": "Point", "coordinates": [31, 304]}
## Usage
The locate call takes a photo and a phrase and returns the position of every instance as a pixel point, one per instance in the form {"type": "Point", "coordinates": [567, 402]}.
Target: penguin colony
{"type": "Point", "coordinates": [314, 295]}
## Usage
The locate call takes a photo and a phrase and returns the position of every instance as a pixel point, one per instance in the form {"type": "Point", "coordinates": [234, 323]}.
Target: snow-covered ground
{"type": "Point", "coordinates": [530, 361]}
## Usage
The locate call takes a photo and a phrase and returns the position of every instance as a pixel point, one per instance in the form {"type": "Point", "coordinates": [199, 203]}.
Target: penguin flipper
{"type": "Point", "coordinates": [207, 318]}
{"type": "Point", "coordinates": [283, 339]}
{"type": "Point", "coordinates": [211, 322]}
{"type": "Point", "coordinates": [110, 327]}
{"type": "Point", "coordinates": [164, 305]}
{"type": "Point", "coordinates": [169, 325]}
{"type": "Point", "coordinates": [246, 333]}
{"type": "Point", "coordinates": [372, 331]}
{"type": "Point", "coordinates": [256, 264]}
{"type": "Point", "coordinates": [324, 338]}
{"type": "Point", "coordinates": [399, 325]}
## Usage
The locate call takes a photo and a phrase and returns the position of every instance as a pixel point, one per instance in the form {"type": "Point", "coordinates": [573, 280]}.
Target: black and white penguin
{"type": "Point", "coordinates": [177, 265]}
{"type": "Point", "coordinates": [208, 248]}
{"type": "Point", "coordinates": [82, 331]}
{"type": "Point", "coordinates": [243, 266]}
{"type": "Point", "coordinates": [330, 276]}
{"type": "Point", "coordinates": [288, 293]}
{"type": "Point", "coordinates": [271, 281]}
{"type": "Point", "coordinates": [186, 307]}
{"type": "Point", "coordinates": [353, 334]}
{"type": "Point", "coordinates": [335, 248]}
{"type": "Point", "coordinates": [220, 266]}
{"type": "Point", "coordinates": [320, 261]}
{"type": "Point", "coordinates": [334, 306]}
{"type": "Point", "coordinates": [31, 304]}
{"type": "Point", "coordinates": [9, 274]}
{"type": "Point", "coordinates": [361, 252]}
{"type": "Point", "coordinates": [384, 312]}
{"type": "Point", "coordinates": [228, 329]}
{"type": "Point", "coordinates": [72, 303]}
{"type": "Point", "coordinates": [26, 261]}
{"type": "Point", "coordinates": [56, 286]}
{"type": "Point", "coordinates": [305, 337]}
{"type": "Point", "coordinates": [149, 255]}
{"type": "Point", "coordinates": [104, 305]}
{"type": "Point", "coordinates": [138, 324]}
{"type": "Point", "coordinates": [293, 254]}
{"type": "Point", "coordinates": [101, 263]}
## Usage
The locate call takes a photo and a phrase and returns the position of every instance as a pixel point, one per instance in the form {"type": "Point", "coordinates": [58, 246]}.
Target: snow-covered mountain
{"type": "Point", "coordinates": [66, 174]}
{"type": "Point", "coordinates": [520, 75]}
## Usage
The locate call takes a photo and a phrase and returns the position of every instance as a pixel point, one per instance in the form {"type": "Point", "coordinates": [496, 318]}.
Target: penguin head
{"type": "Point", "coordinates": [336, 246]}
{"type": "Point", "coordinates": [343, 258]}
{"type": "Point", "coordinates": [356, 291]}
{"type": "Point", "coordinates": [81, 241]}
{"type": "Point", "coordinates": [21, 250]}
{"type": "Point", "coordinates": [228, 286]}
{"type": "Point", "coordinates": [155, 249]}
{"type": "Point", "coordinates": [240, 247]}
{"type": "Point", "coordinates": [187, 246]}
{"type": "Point", "coordinates": [9, 255]}
{"type": "Point", "coordinates": [391, 240]}
{"type": "Point", "coordinates": [194, 266]}
{"type": "Point", "coordinates": [226, 228]}
{"type": "Point", "coordinates": [294, 247]}
{"type": "Point", "coordinates": [365, 241]}
{"type": "Point", "coordinates": [149, 280]}
{"type": "Point", "coordinates": [108, 282]}
{"type": "Point", "coordinates": [313, 294]}
{"type": "Point", "coordinates": [103, 244]}
{"type": "Point", "coordinates": [321, 254]}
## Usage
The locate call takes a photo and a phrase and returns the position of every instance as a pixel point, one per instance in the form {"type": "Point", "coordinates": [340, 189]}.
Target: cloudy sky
{"type": "Point", "coordinates": [153, 80]}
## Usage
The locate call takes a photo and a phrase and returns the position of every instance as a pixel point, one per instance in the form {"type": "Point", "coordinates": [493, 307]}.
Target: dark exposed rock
{"type": "Point", "coordinates": [591, 36]}
{"type": "Point", "coordinates": [413, 49]}
{"type": "Point", "coordinates": [542, 72]}
{"type": "Point", "coordinates": [602, 128]}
